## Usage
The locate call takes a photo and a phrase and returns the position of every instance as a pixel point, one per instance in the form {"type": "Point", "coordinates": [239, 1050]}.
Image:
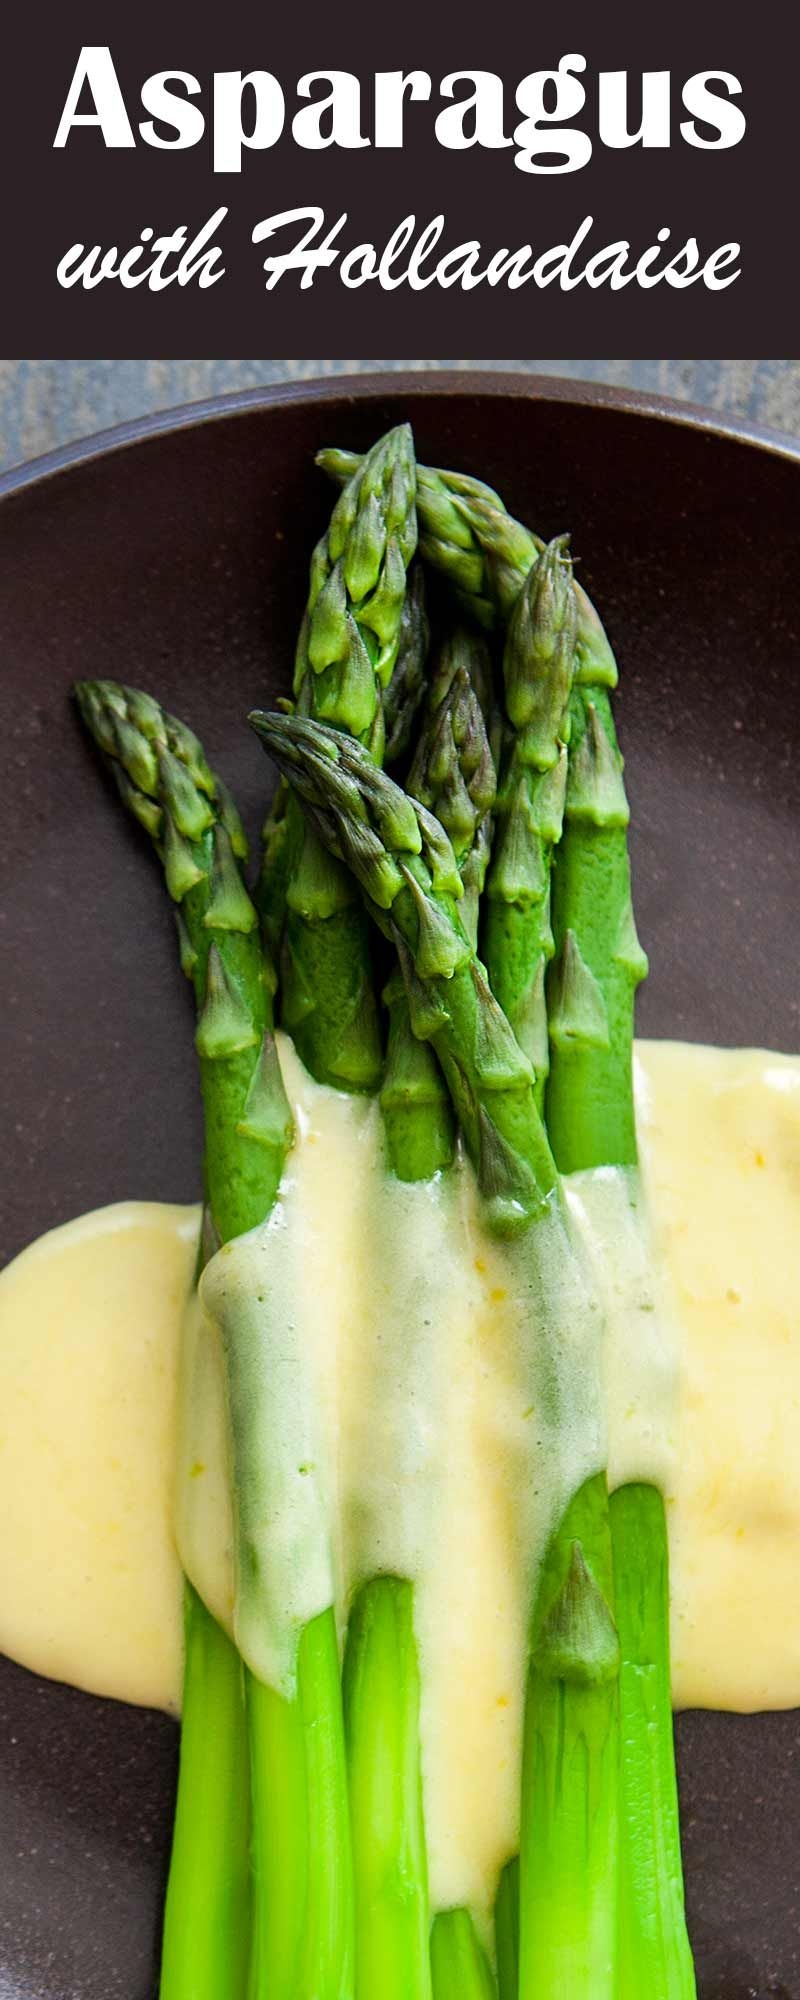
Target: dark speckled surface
{"type": "Point", "coordinates": [179, 562]}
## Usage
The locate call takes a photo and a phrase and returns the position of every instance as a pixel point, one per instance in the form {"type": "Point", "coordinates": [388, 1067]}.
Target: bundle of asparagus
{"type": "Point", "coordinates": [299, 1866]}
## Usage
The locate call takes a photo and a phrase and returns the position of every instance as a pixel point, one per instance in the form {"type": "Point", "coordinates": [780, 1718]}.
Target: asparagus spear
{"type": "Point", "coordinates": [302, 1946]}
{"type": "Point", "coordinates": [599, 961]}
{"type": "Point", "coordinates": [590, 1115]}
{"type": "Point", "coordinates": [401, 700]}
{"type": "Point", "coordinates": [415, 1106]}
{"type": "Point", "coordinates": [453, 770]}
{"type": "Point", "coordinates": [163, 778]}
{"type": "Point", "coordinates": [452, 767]}
{"type": "Point", "coordinates": [381, 1674]}
{"type": "Point", "coordinates": [406, 866]}
{"type": "Point", "coordinates": [591, 1104]}
{"type": "Point", "coordinates": [468, 536]}
{"type": "Point", "coordinates": [538, 668]}
{"type": "Point", "coordinates": [453, 775]}
{"type": "Point", "coordinates": [382, 1700]}
{"type": "Point", "coordinates": [359, 663]}
{"type": "Point", "coordinates": [346, 653]}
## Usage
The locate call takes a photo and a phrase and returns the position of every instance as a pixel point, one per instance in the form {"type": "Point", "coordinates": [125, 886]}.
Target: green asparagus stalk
{"type": "Point", "coordinates": [591, 1104]}
{"type": "Point", "coordinates": [164, 780]}
{"type": "Point", "coordinates": [348, 647]}
{"type": "Point", "coordinates": [301, 1864]}
{"type": "Point", "coordinates": [415, 1104]}
{"type": "Point", "coordinates": [590, 1115]}
{"type": "Point", "coordinates": [484, 555]}
{"type": "Point", "coordinates": [401, 700]}
{"type": "Point", "coordinates": [205, 1947]}
{"type": "Point", "coordinates": [599, 961]}
{"type": "Point", "coordinates": [538, 669]}
{"type": "Point", "coordinates": [453, 774]}
{"type": "Point", "coordinates": [570, 1771]}
{"type": "Point", "coordinates": [382, 1705]}
{"type": "Point", "coordinates": [654, 1954]}
{"type": "Point", "coordinates": [405, 864]}
{"type": "Point", "coordinates": [381, 1674]}
{"type": "Point", "coordinates": [490, 562]}
{"type": "Point", "coordinates": [360, 664]}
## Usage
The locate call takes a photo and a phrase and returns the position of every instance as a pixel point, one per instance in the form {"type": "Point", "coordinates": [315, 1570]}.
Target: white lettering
{"type": "Point", "coordinates": [343, 102]}
{"type": "Point", "coordinates": [198, 259]}
{"type": "Point", "coordinates": [541, 149]}
{"type": "Point", "coordinates": [477, 118]}
{"type": "Point", "coordinates": [613, 109]}
{"type": "Point", "coordinates": [230, 136]}
{"type": "Point", "coordinates": [715, 110]}
{"type": "Point", "coordinates": [392, 86]}
{"type": "Point", "coordinates": [300, 257]}
{"type": "Point", "coordinates": [171, 108]}
{"type": "Point", "coordinates": [95, 70]}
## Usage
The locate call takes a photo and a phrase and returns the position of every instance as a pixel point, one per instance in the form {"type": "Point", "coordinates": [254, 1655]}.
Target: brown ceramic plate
{"type": "Point", "coordinates": [174, 553]}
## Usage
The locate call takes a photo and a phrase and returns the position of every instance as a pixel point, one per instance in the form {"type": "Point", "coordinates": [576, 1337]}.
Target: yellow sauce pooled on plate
{"type": "Point", "coordinates": [90, 1327]}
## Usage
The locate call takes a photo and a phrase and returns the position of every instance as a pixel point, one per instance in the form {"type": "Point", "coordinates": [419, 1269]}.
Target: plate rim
{"type": "Point", "coordinates": [374, 385]}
